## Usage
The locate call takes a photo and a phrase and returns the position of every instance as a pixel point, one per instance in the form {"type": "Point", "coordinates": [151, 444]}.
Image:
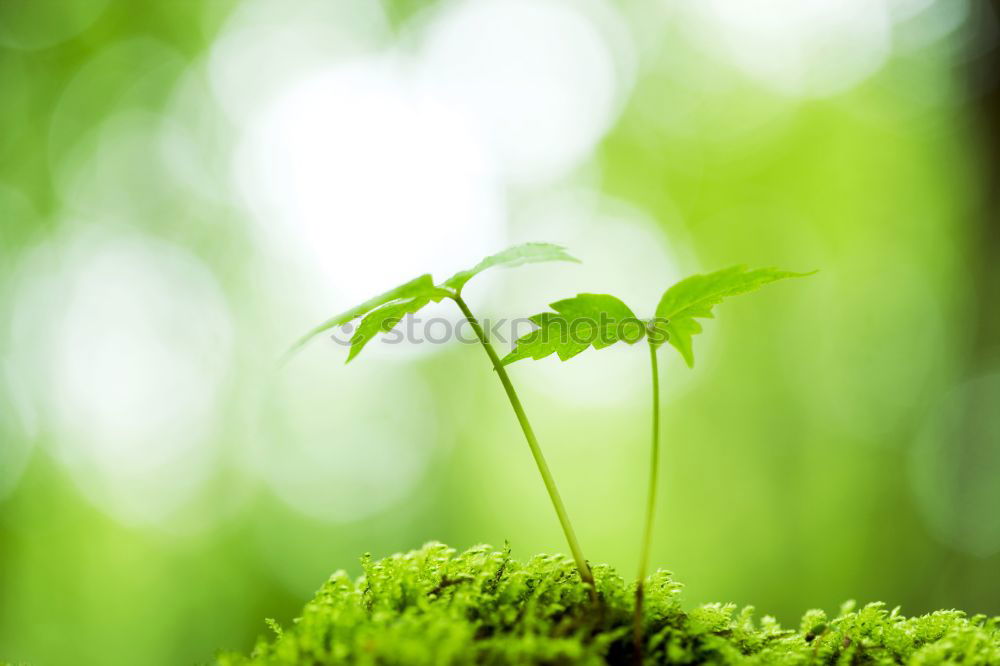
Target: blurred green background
{"type": "Point", "coordinates": [186, 186]}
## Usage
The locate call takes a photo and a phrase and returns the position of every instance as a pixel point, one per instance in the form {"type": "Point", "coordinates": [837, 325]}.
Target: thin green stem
{"type": "Point", "coordinates": [536, 451]}
{"type": "Point", "coordinates": [654, 469]}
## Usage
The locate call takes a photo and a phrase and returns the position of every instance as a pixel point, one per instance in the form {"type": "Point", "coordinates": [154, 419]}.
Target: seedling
{"type": "Point", "coordinates": [384, 312]}
{"type": "Point", "coordinates": [601, 320]}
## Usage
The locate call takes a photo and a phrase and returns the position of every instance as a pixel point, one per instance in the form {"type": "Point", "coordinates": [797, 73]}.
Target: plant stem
{"type": "Point", "coordinates": [536, 451]}
{"type": "Point", "coordinates": [654, 467]}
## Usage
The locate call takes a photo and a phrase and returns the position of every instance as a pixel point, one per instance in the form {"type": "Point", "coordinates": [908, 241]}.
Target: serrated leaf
{"type": "Point", "coordinates": [419, 285]}
{"type": "Point", "coordinates": [694, 297]}
{"type": "Point", "coordinates": [385, 318]}
{"type": "Point", "coordinates": [527, 253]}
{"type": "Point", "coordinates": [597, 320]}
{"type": "Point", "coordinates": [409, 297]}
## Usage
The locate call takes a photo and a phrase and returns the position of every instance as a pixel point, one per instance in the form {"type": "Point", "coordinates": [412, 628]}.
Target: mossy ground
{"type": "Point", "coordinates": [438, 606]}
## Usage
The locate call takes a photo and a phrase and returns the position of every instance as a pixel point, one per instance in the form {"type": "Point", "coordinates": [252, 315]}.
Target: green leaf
{"type": "Point", "coordinates": [597, 320]}
{"type": "Point", "coordinates": [382, 313]}
{"type": "Point", "coordinates": [415, 287]}
{"type": "Point", "coordinates": [694, 297]}
{"type": "Point", "coordinates": [528, 253]}
{"type": "Point", "coordinates": [385, 318]}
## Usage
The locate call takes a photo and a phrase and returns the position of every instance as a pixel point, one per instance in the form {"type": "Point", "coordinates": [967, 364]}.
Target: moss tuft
{"type": "Point", "coordinates": [438, 606]}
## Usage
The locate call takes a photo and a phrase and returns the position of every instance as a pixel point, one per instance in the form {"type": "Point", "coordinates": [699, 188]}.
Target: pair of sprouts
{"type": "Point", "coordinates": [570, 327]}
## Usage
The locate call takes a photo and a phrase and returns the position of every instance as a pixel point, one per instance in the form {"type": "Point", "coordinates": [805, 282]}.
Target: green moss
{"type": "Point", "coordinates": [437, 606]}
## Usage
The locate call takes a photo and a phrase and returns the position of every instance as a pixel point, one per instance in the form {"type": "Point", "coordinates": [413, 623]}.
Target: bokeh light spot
{"type": "Point", "coordinates": [266, 44]}
{"type": "Point", "coordinates": [343, 443]}
{"type": "Point", "coordinates": [544, 78]}
{"type": "Point", "coordinates": [35, 24]}
{"type": "Point", "coordinates": [127, 340]}
{"type": "Point", "coordinates": [955, 464]}
{"type": "Point", "coordinates": [18, 427]}
{"type": "Point", "coordinates": [368, 181]}
{"type": "Point", "coordinates": [807, 48]}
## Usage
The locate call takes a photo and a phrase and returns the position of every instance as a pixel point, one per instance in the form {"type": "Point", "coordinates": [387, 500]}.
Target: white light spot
{"type": "Point", "coordinates": [266, 44]}
{"type": "Point", "coordinates": [369, 183]}
{"type": "Point", "coordinates": [343, 443]}
{"type": "Point", "coordinates": [921, 23]}
{"type": "Point", "coordinates": [128, 340]}
{"type": "Point", "coordinates": [544, 78]}
{"type": "Point", "coordinates": [807, 48]}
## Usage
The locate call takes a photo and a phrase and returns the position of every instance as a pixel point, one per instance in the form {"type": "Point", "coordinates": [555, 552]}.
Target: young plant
{"type": "Point", "coordinates": [382, 313]}
{"type": "Point", "coordinates": [601, 320]}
